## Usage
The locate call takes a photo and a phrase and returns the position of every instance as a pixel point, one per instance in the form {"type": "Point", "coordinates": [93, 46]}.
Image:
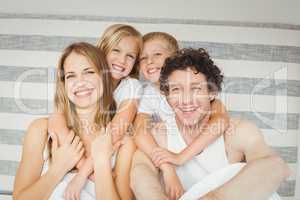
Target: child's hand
{"type": "Point", "coordinates": [71, 148]}
{"type": "Point", "coordinates": [161, 156]}
{"type": "Point", "coordinates": [116, 134]}
{"type": "Point", "coordinates": [74, 188]}
{"type": "Point", "coordinates": [102, 147]}
{"type": "Point", "coordinates": [173, 186]}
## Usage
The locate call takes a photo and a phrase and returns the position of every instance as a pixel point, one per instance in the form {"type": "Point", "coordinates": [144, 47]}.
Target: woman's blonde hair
{"type": "Point", "coordinates": [113, 35]}
{"type": "Point", "coordinates": [106, 104]}
{"type": "Point", "coordinates": [170, 41]}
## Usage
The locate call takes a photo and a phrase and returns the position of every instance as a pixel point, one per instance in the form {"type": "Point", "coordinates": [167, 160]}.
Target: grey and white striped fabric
{"type": "Point", "coordinates": [261, 63]}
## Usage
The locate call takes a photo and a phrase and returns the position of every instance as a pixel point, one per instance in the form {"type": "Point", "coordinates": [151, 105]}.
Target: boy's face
{"type": "Point", "coordinates": [152, 59]}
{"type": "Point", "coordinates": [189, 96]}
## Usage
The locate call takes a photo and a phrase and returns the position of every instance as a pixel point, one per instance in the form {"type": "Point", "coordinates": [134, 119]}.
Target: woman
{"type": "Point", "coordinates": [85, 95]}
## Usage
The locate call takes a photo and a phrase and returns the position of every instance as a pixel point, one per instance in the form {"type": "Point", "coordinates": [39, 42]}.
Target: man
{"type": "Point", "coordinates": [190, 81]}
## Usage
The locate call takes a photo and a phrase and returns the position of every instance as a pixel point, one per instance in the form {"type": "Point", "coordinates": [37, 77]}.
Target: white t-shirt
{"type": "Point", "coordinates": [154, 103]}
{"type": "Point", "coordinates": [129, 88]}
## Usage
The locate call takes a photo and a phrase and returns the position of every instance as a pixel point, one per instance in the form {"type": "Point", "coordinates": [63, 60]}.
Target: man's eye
{"type": "Point", "coordinates": [175, 89]}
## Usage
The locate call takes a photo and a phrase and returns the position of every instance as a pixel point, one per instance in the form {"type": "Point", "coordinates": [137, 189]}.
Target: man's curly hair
{"type": "Point", "coordinates": [196, 59]}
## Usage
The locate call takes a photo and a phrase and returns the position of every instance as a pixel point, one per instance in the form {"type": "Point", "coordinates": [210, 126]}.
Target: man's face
{"type": "Point", "coordinates": [189, 96]}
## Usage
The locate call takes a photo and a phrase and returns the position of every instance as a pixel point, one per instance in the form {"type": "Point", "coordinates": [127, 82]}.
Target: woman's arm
{"type": "Point", "coordinates": [29, 184]}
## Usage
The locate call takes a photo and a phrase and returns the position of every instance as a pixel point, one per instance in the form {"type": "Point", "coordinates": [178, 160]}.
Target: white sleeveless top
{"type": "Point", "coordinates": [208, 161]}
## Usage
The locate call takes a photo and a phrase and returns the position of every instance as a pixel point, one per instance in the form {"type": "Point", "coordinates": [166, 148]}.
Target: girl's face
{"type": "Point", "coordinates": [152, 58]}
{"type": "Point", "coordinates": [121, 58]}
{"type": "Point", "coordinates": [82, 81]}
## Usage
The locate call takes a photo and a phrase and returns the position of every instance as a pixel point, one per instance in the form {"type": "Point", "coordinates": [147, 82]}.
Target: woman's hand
{"type": "Point", "coordinates": [161, 156]}
{"type": "Point", "coordinates": [65, 156]}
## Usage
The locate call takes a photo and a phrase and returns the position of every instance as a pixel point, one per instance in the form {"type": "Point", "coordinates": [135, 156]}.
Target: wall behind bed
{"type": "Point", "coordinates": [257, 48]}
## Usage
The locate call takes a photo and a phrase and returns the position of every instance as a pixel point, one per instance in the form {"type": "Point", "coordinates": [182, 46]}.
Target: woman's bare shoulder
{"type": "Point", "coordinates": [38, 128]}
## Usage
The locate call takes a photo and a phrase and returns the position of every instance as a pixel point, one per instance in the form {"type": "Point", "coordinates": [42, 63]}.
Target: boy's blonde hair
{"type": "Point", "coordinates": [113, 35]}
{"type": "Point", "coordinates": [171, 42]}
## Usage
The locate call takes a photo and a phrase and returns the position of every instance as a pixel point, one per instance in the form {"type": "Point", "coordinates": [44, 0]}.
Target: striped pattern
{"type": "Point", "coordinates": [261, 62]}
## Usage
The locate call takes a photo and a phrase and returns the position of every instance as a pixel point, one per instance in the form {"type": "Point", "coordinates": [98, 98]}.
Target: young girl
{"type": "Point", "coordinates": [121, 45]}
{"type": "Point", "coordinates": [157, 47]}
{"type": "Point", "coordinates": [83, 93]}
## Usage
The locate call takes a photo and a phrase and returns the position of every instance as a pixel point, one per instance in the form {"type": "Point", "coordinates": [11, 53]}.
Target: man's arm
{"type": "Point", "coordinates": [263, 172]}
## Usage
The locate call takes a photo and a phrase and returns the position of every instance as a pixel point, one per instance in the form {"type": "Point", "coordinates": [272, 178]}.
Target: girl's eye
{"type": "Point", "coordinates": [157, 54]}
{"type": "Point", "coordinates": [131, 56]}
{"type": "Point", "coordinates": [115, 50]}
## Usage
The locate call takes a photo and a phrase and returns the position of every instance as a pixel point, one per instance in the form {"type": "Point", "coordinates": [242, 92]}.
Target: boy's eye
{"type": "Point", "coordinates": [115, 50]}
{"type": "Point", "coordinates": [143, 58]}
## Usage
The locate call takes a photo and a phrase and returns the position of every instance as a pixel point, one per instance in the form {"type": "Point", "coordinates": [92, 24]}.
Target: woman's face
{"type": "Point", "coordinates": [82, 81]}
{"type": "Point", "coordinates": [152, 59]}
{"type": "Point", "coordinates": [121, 58]}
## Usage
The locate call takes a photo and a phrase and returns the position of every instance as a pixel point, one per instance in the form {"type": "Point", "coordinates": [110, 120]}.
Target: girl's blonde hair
{"type": "Point", "coordinates": [106, 105]}
{"type": "Point", "coordinates": [113, 35]}
{"type": "Point", "coordinates": [170, 41]}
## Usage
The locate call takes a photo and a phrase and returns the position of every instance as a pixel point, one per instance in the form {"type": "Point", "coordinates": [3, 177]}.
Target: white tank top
{"type": "Point", "coordinates": [208, 161]}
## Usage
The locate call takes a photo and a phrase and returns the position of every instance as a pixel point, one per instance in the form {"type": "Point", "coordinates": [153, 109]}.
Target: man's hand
{"type": "Point", "coordinates": [161, 156]}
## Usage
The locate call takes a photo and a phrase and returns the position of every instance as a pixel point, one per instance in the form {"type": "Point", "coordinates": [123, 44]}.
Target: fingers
{"type": "Point", "coordinates": [69, 138]}
{"type": "Point", "coordinates": [79, 146]}
{"type": "Point", "coordinates": [75, 141]}
{"type": "Point", "coordinates": [54, 141]}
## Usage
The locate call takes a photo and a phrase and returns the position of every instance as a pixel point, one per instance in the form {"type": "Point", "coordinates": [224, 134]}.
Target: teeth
{"type": "Point", "coordinates": [188, 109]}
{"type": "Point", "coordinates": [153, 70]}
{"type": "Point", "coordinates": [118, 68]}
{"type": "Point", "coordinates": [83, 92]}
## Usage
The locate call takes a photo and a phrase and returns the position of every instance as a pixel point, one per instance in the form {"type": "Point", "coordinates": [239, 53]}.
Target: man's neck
{"type": "Point", "coordinates": [195, 129]}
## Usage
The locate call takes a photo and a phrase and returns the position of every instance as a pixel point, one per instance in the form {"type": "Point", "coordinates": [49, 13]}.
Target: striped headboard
{"type": "Point", "coordinates": [261, 62]}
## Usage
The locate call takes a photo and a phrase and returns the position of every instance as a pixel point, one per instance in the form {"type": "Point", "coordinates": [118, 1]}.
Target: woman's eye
{"type": "Point", "coordinates": [157, 54]}
{"type": "Point", "coordinates": [70, 76]}
{"type": "Point", "coordinates": [91, 72]}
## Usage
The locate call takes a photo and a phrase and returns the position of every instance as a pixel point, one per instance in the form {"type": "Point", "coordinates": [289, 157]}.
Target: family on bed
{"type": "Point", "coordinates": [165, 136]}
